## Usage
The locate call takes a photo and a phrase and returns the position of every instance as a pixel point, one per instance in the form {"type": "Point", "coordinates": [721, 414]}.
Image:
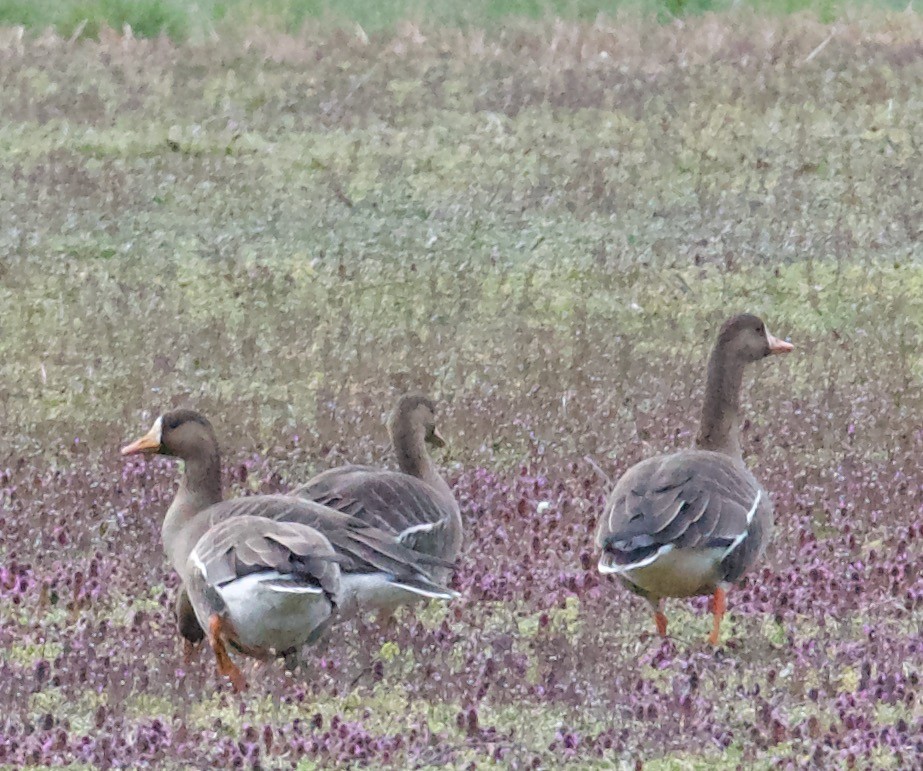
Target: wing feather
{"type": "Point", "coordinates": [243, 545]}
{"type": "Point", "coordinates": [361, 548]}
{"type": "Point", "coordinates": [689, 500]}
{"type": "Point", "coordinates": [397, 503]}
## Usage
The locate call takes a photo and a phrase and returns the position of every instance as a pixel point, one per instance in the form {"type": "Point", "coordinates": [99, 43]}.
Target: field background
{"type": "Point", "coordinates": [195, 19]}
{"type": "Point", "coordinates": [286, 216]}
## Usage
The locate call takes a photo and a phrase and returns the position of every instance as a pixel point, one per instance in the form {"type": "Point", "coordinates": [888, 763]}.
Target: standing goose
{"type": "Point", "coordinates": [266, 573]}
{"type": "Point", "coordinates": [264, 587]}
{"type": "Point", "coordinates": [693, 522]}
{"type": "Point", "coordinates": [414, 503]}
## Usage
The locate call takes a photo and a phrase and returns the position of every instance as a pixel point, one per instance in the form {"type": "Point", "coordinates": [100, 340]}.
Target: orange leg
{"type": "Point", "coordinates": [225, 665]}
{"type": "Point", "coordinates": [719, 606]}
{"type": "Point", "coordinates": [660, 619]}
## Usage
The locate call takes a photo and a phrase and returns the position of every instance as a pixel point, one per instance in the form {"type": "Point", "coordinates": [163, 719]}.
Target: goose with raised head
{"type": "Point", "coordinates": [695, 521]}
{"type": "Point", "coordinates": [414, 503]}
{"type": "Point", "coordinates": [266, 574]}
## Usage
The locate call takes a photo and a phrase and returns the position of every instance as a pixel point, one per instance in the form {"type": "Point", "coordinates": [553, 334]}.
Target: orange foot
{"type": "Point", "coordinates": [718, 607]}
{"type": "Point", "coordinates": [660, 618]}
{"type": "Point", "coordinates": [222, 659]}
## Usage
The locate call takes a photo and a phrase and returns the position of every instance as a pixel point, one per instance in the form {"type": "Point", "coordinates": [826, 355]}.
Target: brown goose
{"type": "Point", "coordinates": [262, 586]}
{"type": "Point", "coordinates": [693, 522]}
{"type": "Point", "coordinates": [414, 503]}
{"type": "Point", "coordinates": [266, 573]}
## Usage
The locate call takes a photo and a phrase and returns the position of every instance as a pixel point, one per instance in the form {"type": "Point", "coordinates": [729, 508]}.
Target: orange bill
{"type": "Point", "coordinates": [148, 443]}
{"type": "Point", "coordinates": [436, 439]}
{"type": "Point", "coordinates": [778, 346]}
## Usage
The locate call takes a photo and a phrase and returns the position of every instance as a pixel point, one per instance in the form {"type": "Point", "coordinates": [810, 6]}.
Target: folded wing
{"type": "Point", "coordinates": [692, 500]}
{"type": "Point", "coordinates": [388, 500]}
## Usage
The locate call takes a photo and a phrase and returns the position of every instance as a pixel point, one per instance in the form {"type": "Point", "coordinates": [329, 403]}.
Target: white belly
{"type": "Point", "coordinates": [679, 573]}
{"type": "Point", "coordinates": [266, 616]}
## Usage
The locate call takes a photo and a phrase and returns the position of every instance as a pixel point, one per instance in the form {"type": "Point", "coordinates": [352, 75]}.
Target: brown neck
{"type": "Point", "coordinates": [413, 458]}
{"type": "Point", "coordinates": [719, 429]}
{"type": "Point", "coordinates": [199, 488]}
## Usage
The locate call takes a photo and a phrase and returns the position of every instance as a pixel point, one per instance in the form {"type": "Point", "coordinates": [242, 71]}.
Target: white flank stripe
{"type": "Point", "coordinates": [424, 528]}
{"type": "Point", "coordinates": [740, 539]}
{"type": "Point", "coordinates": [752, 512]}
{"type": "Point", "coordinates": [200, 566]}
{"type": "Point", "coordinates": [293, 589]}
{"type": "Point", "coordinates": [445, 594]}
{"type": "Point", "coordinates": [665, 549]}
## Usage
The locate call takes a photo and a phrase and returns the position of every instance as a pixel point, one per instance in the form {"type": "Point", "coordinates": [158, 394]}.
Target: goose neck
{"type": "Point", "coordinates": [720, 425]}
{"type": "Point", "coordinates": [199, 488]}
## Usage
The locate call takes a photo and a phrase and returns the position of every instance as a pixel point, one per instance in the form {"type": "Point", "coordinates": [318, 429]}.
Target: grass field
{"type": "Point", "coordinates": [541, 225]}
{"type": "Point", "coordinates": [181, 19]}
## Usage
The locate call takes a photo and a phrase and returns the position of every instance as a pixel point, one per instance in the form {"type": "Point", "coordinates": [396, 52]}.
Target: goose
{"type": "Point", "coordinates": [415, 503]}
{"type": "Point", "coordinates": [263, 587]}
{"type": "Point", "coordinates": [694, 522]}
{"type": "Point", "coordinates": [267, 574]}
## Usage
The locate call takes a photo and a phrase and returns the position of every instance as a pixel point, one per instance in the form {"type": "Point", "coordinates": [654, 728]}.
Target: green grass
{"type": "Point", "coordinates": [564, 212]}
{"type": "Point", "coordinates": [444, 218]}
{"type": "Point", "coordinates": [147, 18]}
{"type": "Point", "coordinates": [181, 19]}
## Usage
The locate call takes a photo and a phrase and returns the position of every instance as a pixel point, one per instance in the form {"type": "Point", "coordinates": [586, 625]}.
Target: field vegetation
{"type": "Point", "coordinates": [541, 224]}
{"type": "Point", "coordinates": [197, 19]}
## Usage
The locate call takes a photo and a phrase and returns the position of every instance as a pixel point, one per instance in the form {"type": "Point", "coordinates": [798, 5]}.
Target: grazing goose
{"type": "Point", "coordinates": [266, 573]}
{"type": "Point", "coordinates": [693, 522]}
{"type": "Point", "coordinates": [264, 587]}
{"type": "Point", "coordinates": [414, 503]}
